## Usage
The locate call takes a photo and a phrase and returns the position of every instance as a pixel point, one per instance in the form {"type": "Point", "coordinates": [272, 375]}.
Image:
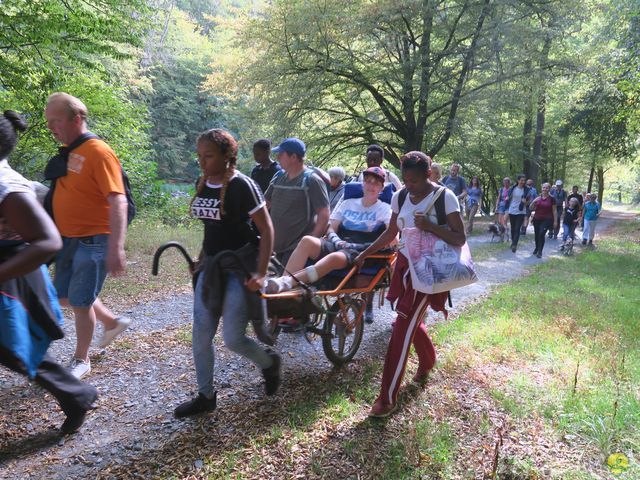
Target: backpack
{"type": "Point", "coordinates": [57, 167]}
{"type": "Point", "coordinates": [441, 214]}
{"type": "Point", "coordinates": [307, 173]}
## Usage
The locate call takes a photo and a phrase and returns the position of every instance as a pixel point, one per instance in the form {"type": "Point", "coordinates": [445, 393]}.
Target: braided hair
{"type": "Point", "coordinates": [229, 149]}
{"type": "Point", "coordinates": [10, 124]}
{"type": "Point", "coordinates": [416, 160]}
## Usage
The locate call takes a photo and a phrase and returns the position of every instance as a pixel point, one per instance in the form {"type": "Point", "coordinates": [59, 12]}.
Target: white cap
{"type": "Point", "coordinates": [558, 182]}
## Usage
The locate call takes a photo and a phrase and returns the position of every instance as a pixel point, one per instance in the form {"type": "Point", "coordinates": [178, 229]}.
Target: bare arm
{"type": "Point", "coordinates": [262, 221]}
{"type": "Point", "coordinates": [116, 260]}
{"type": "Point", "coordinates": [385, 238]}
{"type": "Point", "coordinates": [321, 222]}
{"type": "Point", "coordinates": [334, 225]}
{"type": "Point", "coordinates": [24, 214]}
{"type": "Point", "coordinates": [532, 206]}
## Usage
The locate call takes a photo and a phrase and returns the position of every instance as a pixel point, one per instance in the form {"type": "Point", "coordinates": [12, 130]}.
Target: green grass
{"type": "Point", "coordinates": [578, 314]}
{"type": "Point", "coordinates": [143, 238]}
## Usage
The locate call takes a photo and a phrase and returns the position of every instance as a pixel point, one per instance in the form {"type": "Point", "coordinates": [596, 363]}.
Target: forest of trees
{"type": "Point", "coordinates": [546, 87]}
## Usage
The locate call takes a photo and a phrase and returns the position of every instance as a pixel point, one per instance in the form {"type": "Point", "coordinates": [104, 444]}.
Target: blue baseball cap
{"type": "Point", "coordinates": [291, 145]}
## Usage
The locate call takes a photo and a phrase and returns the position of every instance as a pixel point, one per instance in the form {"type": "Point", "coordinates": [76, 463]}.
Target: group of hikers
{"type": "Point", "coordinates": [550, 210]}
{"type": "Point", "coordinates": [284, 208]}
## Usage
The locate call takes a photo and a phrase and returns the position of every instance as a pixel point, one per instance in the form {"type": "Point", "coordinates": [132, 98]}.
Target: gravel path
{"type": "Point", "coordinates": [150, 370]}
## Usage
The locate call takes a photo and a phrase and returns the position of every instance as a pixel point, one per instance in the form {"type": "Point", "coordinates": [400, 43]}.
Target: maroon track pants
{"type": "Point", "coordinates": [408, 329]}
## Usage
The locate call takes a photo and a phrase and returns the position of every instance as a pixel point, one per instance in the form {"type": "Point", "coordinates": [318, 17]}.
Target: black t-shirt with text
{"type": "Point", "coordinates": [235, 229]}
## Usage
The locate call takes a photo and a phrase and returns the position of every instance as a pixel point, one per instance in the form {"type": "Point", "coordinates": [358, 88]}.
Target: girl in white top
{"type": "Point", "coordinates": [412, 305]}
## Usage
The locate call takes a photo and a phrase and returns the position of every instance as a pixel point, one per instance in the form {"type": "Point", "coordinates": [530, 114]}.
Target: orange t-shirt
{"type": "Point", "coordinates": [80, 201]}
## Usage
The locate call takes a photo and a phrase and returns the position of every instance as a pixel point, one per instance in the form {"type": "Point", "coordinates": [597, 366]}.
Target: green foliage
{"type": "Point", "coordinates": [73, 46]}
{"type": "Point", "coordinates": [178, 109]}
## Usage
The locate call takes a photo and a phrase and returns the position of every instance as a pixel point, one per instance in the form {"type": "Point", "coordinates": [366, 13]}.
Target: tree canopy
{"type": "Point", "coordinates": [501, 87]}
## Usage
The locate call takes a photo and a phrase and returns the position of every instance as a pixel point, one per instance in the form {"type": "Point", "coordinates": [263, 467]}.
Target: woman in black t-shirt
{"type": "Point", "coordinates": [234, 213]}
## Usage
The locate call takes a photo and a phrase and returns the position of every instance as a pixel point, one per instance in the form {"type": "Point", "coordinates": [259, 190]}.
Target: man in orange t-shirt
{"type": "Point", "coordinates": [90, 211]}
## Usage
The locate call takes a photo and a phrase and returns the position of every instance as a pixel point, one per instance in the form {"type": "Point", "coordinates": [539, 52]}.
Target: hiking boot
{"type": "Point", "coordinates": [513, 248]}
{"type": "Point", "coordinates": [76, 418]}
{"type": "Point", "coordinates": [535, 252]}
{"type": "Point", "coordinates": [368, 314]}
{"type": "Point", "coordinates": [108, 336]}
{"type": "Point", "coordinates": [79, 368]}
{"type": "Point", "coordinates": [562, 248]}
{"type": "Point", "coordinates": [382, 410]}
{"type": "Point", "coordinates": [200, 404]}
{"type": "Point", "coordinates": [277, 284]}
{"type": "Point", "coordinates": [272, 374]}
{"type": "Point", "coordinates": [539, 254]}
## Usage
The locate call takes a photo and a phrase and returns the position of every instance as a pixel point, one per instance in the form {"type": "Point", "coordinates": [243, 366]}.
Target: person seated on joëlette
{"type": "Point", "coordinates": [359, 222]}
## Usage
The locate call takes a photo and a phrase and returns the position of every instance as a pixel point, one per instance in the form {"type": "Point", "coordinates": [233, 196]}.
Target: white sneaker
{"type": "Point", "coordinates": [108, 336]}
{"type": "Point", "coordinates": [79, 368]}
{"type": "Point", "coordinates": [278, 284]}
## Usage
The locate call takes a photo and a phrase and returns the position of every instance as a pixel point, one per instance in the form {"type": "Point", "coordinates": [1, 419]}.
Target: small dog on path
{"type": "Point", "coordinates": [498, 231]}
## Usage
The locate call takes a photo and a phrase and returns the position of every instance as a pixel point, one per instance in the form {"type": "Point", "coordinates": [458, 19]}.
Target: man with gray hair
{"type": "Point", "coordinates": [89, 207]}
{"type": "Point", "coordinates": [336, 189]}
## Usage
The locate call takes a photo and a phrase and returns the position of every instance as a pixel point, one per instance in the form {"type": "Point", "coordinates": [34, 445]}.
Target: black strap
{"type": "Point", "coordinates": [441, 213]}
{"type": "Point", "coordinates": [57, 167]}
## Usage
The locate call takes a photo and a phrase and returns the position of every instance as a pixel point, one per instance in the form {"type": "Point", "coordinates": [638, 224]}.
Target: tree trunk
{"type": "Point", "coordinates": [528, 166]}
{"type": "Point", "coordinates": [591, 173]}
{"type": "Point", "coordinates": [600, 174]}
{"type": "Point", "coordinates": [540, 114]}
{"type": "Point", "coordinates": [565, 150]}
{"type": "Point", "coordinates": [527, 129]}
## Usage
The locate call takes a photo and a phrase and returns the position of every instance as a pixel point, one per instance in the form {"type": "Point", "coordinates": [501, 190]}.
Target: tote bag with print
{"type": "Point", "coordinates": [435, 265]}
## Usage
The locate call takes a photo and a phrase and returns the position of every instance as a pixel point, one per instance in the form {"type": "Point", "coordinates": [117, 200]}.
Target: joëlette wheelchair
{"type": "Point", "coordinates": [332, 308]}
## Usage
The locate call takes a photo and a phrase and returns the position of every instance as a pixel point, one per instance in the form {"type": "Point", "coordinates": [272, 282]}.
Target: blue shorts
{"type": "Point", "coordinates": [502, 207]}
{"type": "Point", "coordinates": [80, 274]}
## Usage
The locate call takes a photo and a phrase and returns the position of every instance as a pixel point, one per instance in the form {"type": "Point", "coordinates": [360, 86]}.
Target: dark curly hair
{"type": "Point", "coordinates": [416, 160]}
{"type": "Point", "coordinates": [229, 148]}
{"type": "Point", "coordinates": [10, 124]}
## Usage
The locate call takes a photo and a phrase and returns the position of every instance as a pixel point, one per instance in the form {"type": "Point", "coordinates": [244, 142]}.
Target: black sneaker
{"type": "Point", "coordinates": [76, 418]}
{"type": "Point", "coordinates": [368, 314]}
{"type": "Point", "coordinates": [200, 404]}
{"type": "Point", "coordinates": [272, 374]}
{"type": "Point", "coordinates": [535, 252]}
{"type": "Point", "coordinates": [584, 242]}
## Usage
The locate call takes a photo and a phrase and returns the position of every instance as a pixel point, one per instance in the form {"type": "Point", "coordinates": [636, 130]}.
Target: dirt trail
{"type": "Point", "coordinates": [147, 373]}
